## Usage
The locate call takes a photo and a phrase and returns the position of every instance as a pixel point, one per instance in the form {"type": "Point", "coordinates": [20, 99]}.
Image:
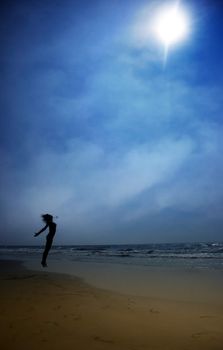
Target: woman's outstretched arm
{"type": "Point", "coordinates": [43, 229]}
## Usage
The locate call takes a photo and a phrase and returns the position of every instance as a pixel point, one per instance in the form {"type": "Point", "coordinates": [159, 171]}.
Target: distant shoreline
{"type": "Point", "coordinates": [172, 255]}
{"type": "Point", "coordinates": [115, 244]}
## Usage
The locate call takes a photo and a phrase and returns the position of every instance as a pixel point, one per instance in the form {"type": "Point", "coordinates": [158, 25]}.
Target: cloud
{"type": "Point", "coordinates": [96, 132]}
{"type": "Point", "coordinates": [86, 183]}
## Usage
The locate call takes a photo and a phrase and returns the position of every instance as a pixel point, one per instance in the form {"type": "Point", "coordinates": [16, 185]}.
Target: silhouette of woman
{"type": "Point", "coordinates": [48, 219]}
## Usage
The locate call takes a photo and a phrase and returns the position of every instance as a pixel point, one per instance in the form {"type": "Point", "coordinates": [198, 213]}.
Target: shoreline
{"type": "Point", "coordinates": [54, 311]}
{"type": "Point", "coordinates": [156, 282]}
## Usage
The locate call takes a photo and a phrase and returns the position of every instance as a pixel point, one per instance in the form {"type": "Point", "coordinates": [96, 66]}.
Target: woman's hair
{"type": "Point", "coordinates": [47, 217]}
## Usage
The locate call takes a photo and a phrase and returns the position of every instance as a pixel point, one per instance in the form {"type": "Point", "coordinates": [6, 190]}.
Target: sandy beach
{"type": "Point", "coordinates": [44, 310]}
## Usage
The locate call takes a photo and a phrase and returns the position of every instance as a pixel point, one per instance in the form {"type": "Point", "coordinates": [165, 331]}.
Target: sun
{"type": "Point", "coordinates": [162, 25]}
{"type": "Point", "coordinates": [171, 25]}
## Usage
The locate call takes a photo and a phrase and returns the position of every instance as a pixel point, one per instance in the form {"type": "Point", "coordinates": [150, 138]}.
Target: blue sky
{"type": "Point", "coordinates": [95, 130]}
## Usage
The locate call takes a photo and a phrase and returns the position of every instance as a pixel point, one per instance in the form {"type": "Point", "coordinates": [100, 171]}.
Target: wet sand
{"type": "Point", "coordinates": [161, 282]}
{"type": "Point", "coordinates": [43, 310]}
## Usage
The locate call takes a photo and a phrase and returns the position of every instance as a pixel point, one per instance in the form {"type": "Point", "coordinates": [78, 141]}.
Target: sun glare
{"type": "Point", "coordinates": [170, 26]}
{"type": "Point", "coordinates": [161, 25]}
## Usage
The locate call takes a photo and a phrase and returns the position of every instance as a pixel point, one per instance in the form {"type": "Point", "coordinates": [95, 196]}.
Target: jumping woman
{"type": "Point", "coordinates": [48, 219]}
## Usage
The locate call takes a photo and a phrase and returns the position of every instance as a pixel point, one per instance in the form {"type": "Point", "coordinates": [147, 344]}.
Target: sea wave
{"type": "Point", "coordinates": [210, 250]}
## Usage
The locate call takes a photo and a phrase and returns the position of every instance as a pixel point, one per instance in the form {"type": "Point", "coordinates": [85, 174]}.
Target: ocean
{"type": "Point", "coordinates": [205, 255]}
